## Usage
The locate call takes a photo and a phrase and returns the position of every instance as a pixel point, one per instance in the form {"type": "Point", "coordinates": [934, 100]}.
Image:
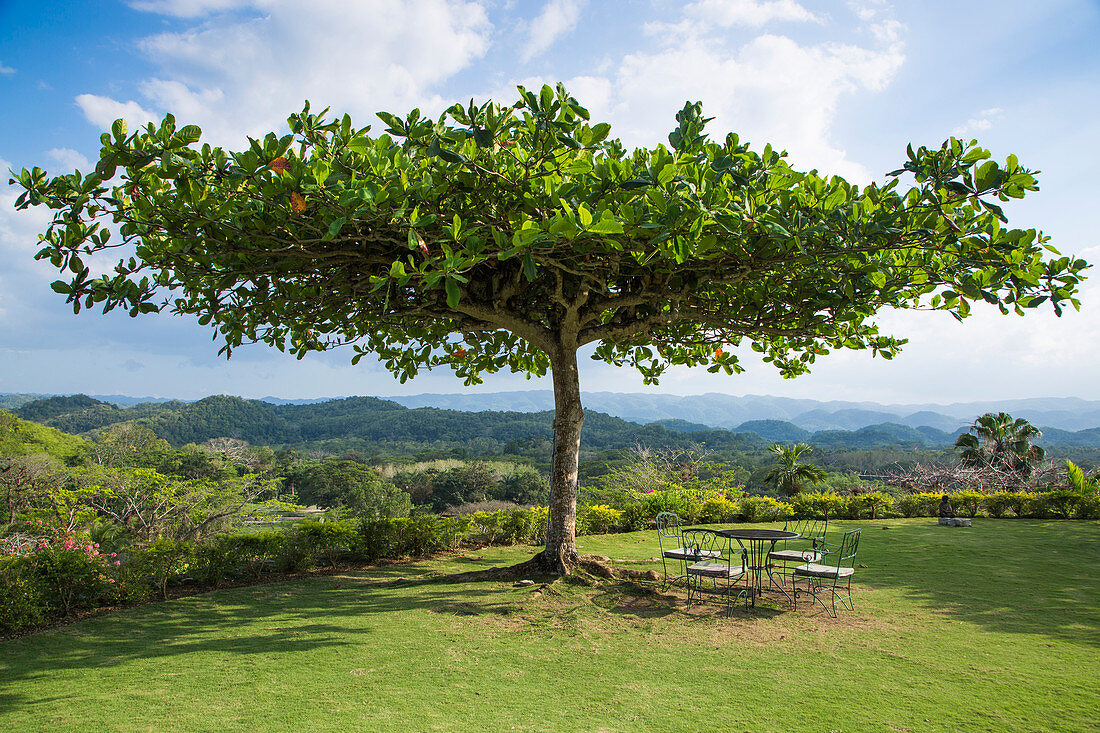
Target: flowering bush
{"type": "Point", "coordinates": [73, 574]}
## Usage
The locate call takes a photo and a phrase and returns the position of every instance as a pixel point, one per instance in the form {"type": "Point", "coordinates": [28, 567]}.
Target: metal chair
{"type": "Point", "coordinates": [811, 531]}
{"type": "Point", "coordinates": [723, 566]}
{"type": "Point", "coordinates": [669, 533]}
{"type": "Point", "coordinates": [835, 578]}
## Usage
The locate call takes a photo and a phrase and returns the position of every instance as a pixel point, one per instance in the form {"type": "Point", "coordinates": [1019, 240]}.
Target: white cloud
{"type": "Point", "coordinates": [981, 123]}
{"type": "Point", "coordinates": [6, 70]}
{"type": "Point", "coordinates": [69, 159]}
{"type": "Point", "coordinates": [749, 13]}
{"type": "Point", "coordinates": [103, 111]}
{"type": "Point", "coordinates": [18, 243]}
{"type": "Point", "coordinates": [768, 88]}
{"type": "Point", "coordinates": [188, 8]}
{"type": "Point", "coordinates": [557, 18]}
{"type": "Point", "coordinates": [239, 76]}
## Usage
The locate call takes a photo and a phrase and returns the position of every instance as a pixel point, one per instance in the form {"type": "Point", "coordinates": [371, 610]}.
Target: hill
{"type": "Point", "coordinates": [20, 437]}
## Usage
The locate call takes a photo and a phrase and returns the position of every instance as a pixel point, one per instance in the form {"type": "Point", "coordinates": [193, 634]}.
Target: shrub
{"type": "Point", "coordinates": [69, 572]}
{"type": "Point", "coordinates": [257, 551]}
{"type": "Point", "coordinates": [1018, 502]}
{"type": "Point", "coordinates": [523, 525]}
{"type": "Point", "coordinates": [1062, 503]}
{"type": "Point", "coordinates": [329, 539]}
{"type": "Point", "coordinates": [597, 519]}
{"type": "Point", "coordinates": [761, 509]}
{"type": "Point", "coordinates": [161, 560]}
{"type": "Point", "coordinates": [489, 524]}
{"type": "Point", "coordinates": [412, 536]}
{"type": "Point", "coordinates": [215, 560]}
{"type": "Point", "coordinates": [718, 509]}
{"type": "Point", "coordinates": [819, 504]}
{"type": "Point", "coordinates": [922, 504]}
{"type": "Point", "coordinates": [968, 501]}
{"type": "Point", "coordinates": [21, 599]}
{"type": "Point", "coordinates": [640, 513]}
{"type": "Point", "coordinates": [870, 504]}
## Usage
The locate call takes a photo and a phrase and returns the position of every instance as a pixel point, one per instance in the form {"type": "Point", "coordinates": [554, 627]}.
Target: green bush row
{"type": "Point", "coordinates": [1053, 504]}
{"type": "Point", "coordinates": [53, 581]}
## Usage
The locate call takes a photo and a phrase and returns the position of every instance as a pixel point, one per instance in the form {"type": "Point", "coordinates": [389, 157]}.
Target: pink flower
{"type": "Point", "coordinates": [113, 554]}
{"type": "Point", "coordinates": [97, 545]}
{"type": "Point", "coordinates": [117, 563]}
{"type": "Point", "coordinates": [39, 521]}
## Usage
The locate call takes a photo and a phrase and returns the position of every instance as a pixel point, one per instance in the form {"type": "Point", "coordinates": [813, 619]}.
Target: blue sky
{"type": "Point", "coordinates": [843, 86]}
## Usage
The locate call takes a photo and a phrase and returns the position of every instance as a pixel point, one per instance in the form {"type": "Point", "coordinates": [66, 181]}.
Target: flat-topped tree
{"type": "Point", "coordinates": [513, 236]}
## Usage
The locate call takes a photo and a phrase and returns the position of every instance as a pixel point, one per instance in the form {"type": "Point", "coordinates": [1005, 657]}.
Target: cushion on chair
{"type": "Point", "coordinates": [715, 569]}
{"type": "Point", "coordinates": [796, 555]}
{"type": "Point", "coordinates": [823, 571]}
{"type": "Point", "coordinates": [686, 553]}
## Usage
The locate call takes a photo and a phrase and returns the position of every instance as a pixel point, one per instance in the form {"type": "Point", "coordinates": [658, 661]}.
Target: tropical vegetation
{"type": "Point", "coordinates": [511, 236]}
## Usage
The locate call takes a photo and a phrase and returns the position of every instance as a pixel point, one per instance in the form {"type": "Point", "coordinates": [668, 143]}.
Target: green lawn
{"type": "Point", "coordinates": [996, 627]}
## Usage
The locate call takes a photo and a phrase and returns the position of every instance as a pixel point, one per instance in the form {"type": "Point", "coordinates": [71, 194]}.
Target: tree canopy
{"type": "Point", "coordinates": [1000, 441]}
{"type": "Point", "coordinates": [510, 236]}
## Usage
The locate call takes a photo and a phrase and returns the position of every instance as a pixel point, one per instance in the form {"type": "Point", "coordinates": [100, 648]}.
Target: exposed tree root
{"type": "Point", "coordinates": [584, 566]}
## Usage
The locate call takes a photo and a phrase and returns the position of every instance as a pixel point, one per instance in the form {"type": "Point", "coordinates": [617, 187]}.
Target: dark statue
{"type": "Point", "coordinates": [946, 511]}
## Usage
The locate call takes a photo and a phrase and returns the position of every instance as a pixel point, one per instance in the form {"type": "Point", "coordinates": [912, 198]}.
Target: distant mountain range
{"type": "Point", "coordinates": [727, 411]}
{"type": "Point", "coordinates": [614, 419]}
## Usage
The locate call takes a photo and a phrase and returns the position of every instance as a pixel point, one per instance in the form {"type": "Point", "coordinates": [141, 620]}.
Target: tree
{"type": "Point", "coordinates": [25, 479]}
{"type": "Point", "coordinates": [789, 475]}
{"type": "Point", "coordinates": [1001, 442]}
{"type": "Point", "coordinates": [349, 484]}
{"type": "Point", "coordinates": [511, 237]}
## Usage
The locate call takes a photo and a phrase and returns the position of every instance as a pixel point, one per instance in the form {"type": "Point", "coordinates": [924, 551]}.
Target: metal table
{"type": "Point", "coordinates": [760, 543]}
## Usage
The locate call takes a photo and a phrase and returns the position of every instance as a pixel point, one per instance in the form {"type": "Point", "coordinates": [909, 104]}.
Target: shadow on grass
{"type": "Point", "coordinates": [272, 619]}
{"type": "Point", "coordinates": [1013, 576]}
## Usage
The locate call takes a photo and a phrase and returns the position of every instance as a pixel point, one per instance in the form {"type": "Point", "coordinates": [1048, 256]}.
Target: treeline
{"type": "Point", "coordinates": [380, 429]}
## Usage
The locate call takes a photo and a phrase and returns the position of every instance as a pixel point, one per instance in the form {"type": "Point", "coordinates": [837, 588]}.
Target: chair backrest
{"type": "Point", "coordinates": [848, 547]}
{"type": "Point", "coordinates": [668, 527]}
{"type": "Point", "coordinates": [703, 541]}
{"type": "Point", "coordinates": [811, 529]}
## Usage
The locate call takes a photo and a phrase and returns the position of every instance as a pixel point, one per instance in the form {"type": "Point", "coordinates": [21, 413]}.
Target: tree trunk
{"type": "Point", "coordinates": [560, 553]}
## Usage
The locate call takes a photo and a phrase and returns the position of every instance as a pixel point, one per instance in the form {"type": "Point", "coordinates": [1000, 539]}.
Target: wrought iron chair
{"type": "Point", "coordinates": [809, 547]}
{"type": "Point", "coordinates": [672, 546]}
{"type": "Point", "coordinates": [722, 566]}
{"type": "Point", "coordinates": [835, 578]}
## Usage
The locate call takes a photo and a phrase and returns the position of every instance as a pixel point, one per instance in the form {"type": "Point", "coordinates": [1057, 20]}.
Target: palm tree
{"type": "Point", "coordinates": [999, 441]}
{"type": "Point", "coordinates": [788, 475]}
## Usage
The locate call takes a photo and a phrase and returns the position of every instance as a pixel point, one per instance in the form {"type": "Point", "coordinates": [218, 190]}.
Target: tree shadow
{"type": "Point", "coordinates": [271, 619]}
{"type": "Point", "coordinates": [1010, 576]}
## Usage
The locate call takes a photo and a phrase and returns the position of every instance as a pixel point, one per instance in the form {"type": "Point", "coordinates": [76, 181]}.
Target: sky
{"type": "Point", "coordinates": [842, 86]}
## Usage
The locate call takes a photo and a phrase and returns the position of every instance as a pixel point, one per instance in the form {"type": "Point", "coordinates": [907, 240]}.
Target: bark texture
{"type": "Point", "coordinates": [560, 553]}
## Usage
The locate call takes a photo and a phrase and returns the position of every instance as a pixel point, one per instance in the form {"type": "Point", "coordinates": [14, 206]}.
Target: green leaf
{"type": "Point", "coordinates": [118, 129]}
{"type": "Point", "coordinates": [454, 293]}
{"type": "Point", "coordinates": [585, 216]}
{"type": "Point", "coordinates": [607, 224]}
{"type": "Point", "coordinates": [483, 137]}
{"type": "Point", "coordinates": [530, 270]}
{"type": "Point", "coordinates": [359, 145]}
{"type": "Point", "coordinates": [578, 167]}
{"type": "Point", "coordinates": [60, 286]}
{"type": "Point", "coordinates": [188, 134]}
{"type": "Point", "coordinates": [335, 227]}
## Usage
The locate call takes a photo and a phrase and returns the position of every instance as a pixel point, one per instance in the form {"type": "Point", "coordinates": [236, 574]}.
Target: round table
{"type": "Point", "coordinates": [760, 544]}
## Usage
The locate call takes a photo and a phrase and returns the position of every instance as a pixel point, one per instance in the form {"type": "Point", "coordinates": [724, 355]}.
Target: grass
{"type": "Point", "coordinates": [996, 627]}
